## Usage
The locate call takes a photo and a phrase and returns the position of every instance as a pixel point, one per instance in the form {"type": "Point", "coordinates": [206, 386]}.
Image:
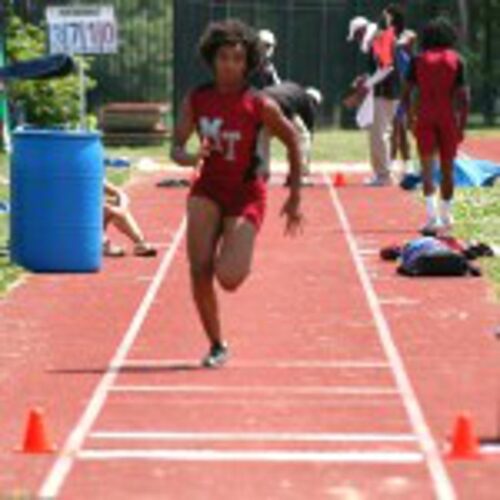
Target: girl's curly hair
{"type": "Point", "coordinates": [439, 33]}
{"type": "Point", "coordinates": [231, 32]}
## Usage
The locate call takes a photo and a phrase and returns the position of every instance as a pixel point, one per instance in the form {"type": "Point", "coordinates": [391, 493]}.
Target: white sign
{"type": "Point", "coordinates": [82, 30]}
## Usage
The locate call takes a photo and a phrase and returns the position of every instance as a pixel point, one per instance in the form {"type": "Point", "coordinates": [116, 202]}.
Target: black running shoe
{"type": "Point", "coordinates": [217, 357]}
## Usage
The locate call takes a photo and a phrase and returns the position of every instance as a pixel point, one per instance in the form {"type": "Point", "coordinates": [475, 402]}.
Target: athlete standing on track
{"type": "Point", "coordinates": [227, 203]}
{"type": "Point", "coordinates": [443, 105]}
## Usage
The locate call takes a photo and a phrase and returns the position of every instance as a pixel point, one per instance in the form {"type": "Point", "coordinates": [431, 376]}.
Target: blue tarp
{"type": "Point", "coordinates": [55, 66]}
{"type": "Point", "coordinates": [475, 173]}
{"type": "Point", "coordinates": [469, 172]}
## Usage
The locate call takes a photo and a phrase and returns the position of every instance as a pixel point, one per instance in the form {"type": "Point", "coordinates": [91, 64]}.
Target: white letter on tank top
{"type": "Point", "coordinates": [211, 129]}
{"type": "Point", "coordinates": [231, 138]}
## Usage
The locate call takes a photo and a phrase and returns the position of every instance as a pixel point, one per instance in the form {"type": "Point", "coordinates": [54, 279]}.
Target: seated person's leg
{"type": "Point", "coordinates": [124, 221]}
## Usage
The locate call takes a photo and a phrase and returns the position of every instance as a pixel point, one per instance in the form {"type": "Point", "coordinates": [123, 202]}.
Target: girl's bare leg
{"type": "Point", "coordinates": [204, 225]}
{"type": "Point", "coordinates": [236, 253]}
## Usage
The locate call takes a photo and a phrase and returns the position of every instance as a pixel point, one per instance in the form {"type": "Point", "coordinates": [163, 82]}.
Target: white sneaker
{"type": "Point", "coordinates": [432, 227]}
{"type": "Point", "coordinates": [410, 167]}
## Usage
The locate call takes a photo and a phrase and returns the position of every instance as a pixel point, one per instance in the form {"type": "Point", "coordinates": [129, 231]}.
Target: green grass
{"type": "Point", "coordinates": [477, 213]}
{"type": "Point", "coordinates": [9, 273]}
{"type": "Point", "coordinates": [136, 153]}
{"type": "Point", "coordinates": [119, 176]}
{"type": "Point", "coordinates": [335, 146]}
{"type": "Point", "coordinates": [484, 133]}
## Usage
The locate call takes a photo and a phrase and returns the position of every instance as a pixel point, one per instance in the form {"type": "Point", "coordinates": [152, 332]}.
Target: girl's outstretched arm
{"type": "Point", "coordinates": [184, 129]}
{"type": "Point", "coordinates": [279, 126]}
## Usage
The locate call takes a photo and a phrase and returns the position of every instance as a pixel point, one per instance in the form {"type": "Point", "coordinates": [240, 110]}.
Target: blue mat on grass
{"type": "Point", "coordinates": [469, 172]}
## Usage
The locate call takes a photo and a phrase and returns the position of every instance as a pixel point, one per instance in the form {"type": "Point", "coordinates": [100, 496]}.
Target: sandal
{"type": "Point", "coordinates": [145, 250]}
{"type": "Point", "coordinates": [113, 251]}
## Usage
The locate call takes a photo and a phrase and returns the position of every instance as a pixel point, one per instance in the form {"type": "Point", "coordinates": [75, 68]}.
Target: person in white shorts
{"type": "Point", "coordinates": [300, 105]}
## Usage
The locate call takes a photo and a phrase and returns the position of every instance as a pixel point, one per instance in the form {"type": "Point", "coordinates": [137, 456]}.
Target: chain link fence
{"type": "Point", "coordinates": [312, 45]}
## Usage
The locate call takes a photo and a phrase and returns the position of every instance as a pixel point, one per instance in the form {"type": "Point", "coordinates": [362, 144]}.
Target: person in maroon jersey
{"type": "Point", "coordinates": [227, 202]}
{"type": "Point", "coordinates": [441, 117]}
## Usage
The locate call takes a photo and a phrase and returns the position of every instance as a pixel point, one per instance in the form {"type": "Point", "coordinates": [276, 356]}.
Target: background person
{"type": "Point", "coordinates": [401, 144]}
{"type": "Point", "coordinates": [380, 47]}
{"type": "Point", "coordinates": [300, 105]}
{"type": "Point", "coordinates": [117, 213]}
{"type": "Point", "coordinates": [266, 74]}
{"type": "Point", "coordinates": [441, 117]}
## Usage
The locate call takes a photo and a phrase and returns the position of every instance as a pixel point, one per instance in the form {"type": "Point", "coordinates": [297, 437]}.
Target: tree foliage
{"type": "Point", "coordinates": [43, 103]}
{"type": "Point", "coordinates": [142, 69]}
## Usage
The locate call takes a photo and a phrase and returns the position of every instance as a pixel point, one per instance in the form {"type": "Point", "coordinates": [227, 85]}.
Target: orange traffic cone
{"type": "Point", "coordinates": [36, 439]}
{"type": "Point", "coordinates": [339, 180]}
{"type": "Point", "coordinates": [464, 445]}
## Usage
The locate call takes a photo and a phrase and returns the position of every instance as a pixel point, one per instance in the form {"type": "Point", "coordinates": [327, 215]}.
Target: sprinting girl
{"type": "Point", "coordinates": [441, 115]}
{"type": "Point", "coordinates": [227, 202]}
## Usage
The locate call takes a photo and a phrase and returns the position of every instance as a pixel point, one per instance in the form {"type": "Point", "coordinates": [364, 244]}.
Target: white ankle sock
{"type": "Point", "coordinates": [430, 203]}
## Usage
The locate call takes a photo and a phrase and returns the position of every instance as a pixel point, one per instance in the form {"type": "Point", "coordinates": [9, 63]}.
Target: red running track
{"type": "Point", "coordinates": [483, 148]}
{"type": "Point", "coordinates": [344, 382]}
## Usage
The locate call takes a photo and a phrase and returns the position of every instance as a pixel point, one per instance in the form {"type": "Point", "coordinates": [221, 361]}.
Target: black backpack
{"type": "Point", "coordinates": [429, 256]}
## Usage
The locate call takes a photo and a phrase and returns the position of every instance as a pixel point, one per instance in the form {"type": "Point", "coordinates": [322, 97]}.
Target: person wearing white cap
{"type": "Point", "coordinates": [383, 92]}
{"type": "Point", "coordinates": [405, 51]}
{"type": "Point", "coordinates": [362, 31]}
{"type": "Point", "coordinates": [266, 75]}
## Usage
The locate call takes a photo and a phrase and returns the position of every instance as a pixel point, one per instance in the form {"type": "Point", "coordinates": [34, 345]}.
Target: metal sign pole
{"type": "Point", "coordinates": [82, 31]}
{"type": "Point", "coordinates": [83, 94]}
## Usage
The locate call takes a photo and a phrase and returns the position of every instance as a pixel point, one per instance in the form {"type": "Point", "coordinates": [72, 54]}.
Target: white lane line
{"type": "Point", "coordinates": [62, 466]}
{"type": "Point", "coordinates": [278, 456]}
{"type": "Point", "coordinates": [314, 364]}
{"type": "Point", "coordinates": [270, 390]}
{"type": "Point", "coordinates": [490, 449]}
{"type": "Point", "coordinates": [306, 437]}
{"type": "Point", "coordinates": [369, 252]}
{"type": "Point", "coordinates": [399, 301]}
{"type": "Point", "coordinates": [440, 478]}
{"type": "Point", "coordinates": [332, 403]}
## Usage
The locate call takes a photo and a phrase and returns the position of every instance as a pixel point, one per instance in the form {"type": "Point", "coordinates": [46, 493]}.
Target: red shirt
{"type": "Point", "coordinates": [437, 73]}
{"type": "Point", "coordinates": [384, 47]}
{"type": "Point", "coordinates": [231, 122]}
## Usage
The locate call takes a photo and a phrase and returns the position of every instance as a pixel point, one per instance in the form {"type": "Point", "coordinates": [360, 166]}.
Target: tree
{"type": "Point", "coordinates": [484, 58]}
{"type": "Point", "coordinates": [463, 9]}
{"type": "Point", "coordinates": [43, 103]}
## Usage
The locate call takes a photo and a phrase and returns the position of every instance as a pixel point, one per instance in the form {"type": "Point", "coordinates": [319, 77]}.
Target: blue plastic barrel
{"type": "Point", "coordinates": [57, 200]}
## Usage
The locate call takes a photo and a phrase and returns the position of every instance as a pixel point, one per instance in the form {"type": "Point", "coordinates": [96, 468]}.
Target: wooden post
{"type": "Point", "coordinates": [488, 100]}
{"type": "Point", "coordinates": [463, 9]}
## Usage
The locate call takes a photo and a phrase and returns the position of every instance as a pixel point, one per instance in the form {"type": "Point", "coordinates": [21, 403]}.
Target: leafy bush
{"type": "Point", "coordinates": [43, 103]}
